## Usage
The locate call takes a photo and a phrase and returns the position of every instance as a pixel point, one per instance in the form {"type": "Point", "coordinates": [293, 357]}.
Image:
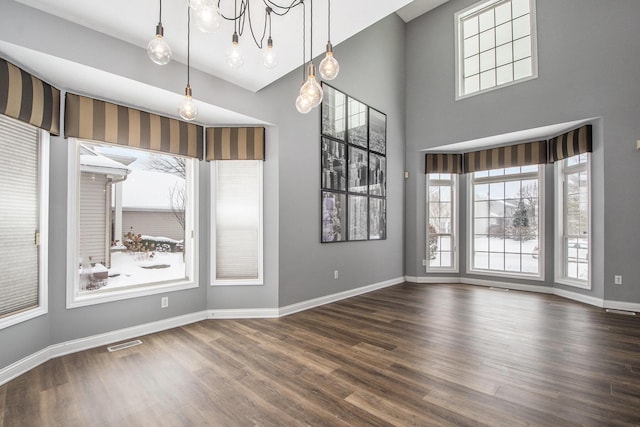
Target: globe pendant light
{"type": "Point", "coordinates": [329, 66]}
{"type": "Point", "coordinates": [311, 91]}
{"type": "Point", "coordinates": [235, 58]}
{"type": "Point", "coordinates": [269, 58]}
{"type": "Point", "coordinates": [187, 108]}
{"type": "Point", "coordinates": [207, 16]}
{"type": "Point", "coordinates": [158, 49]}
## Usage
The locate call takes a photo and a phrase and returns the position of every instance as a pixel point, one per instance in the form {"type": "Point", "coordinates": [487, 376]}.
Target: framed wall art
{"type": "Point", "coordinates": [353, 169]}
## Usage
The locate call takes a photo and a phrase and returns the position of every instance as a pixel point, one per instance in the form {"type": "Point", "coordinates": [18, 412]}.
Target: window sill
{"type": "Point", "coordinates": [510, 275]}
{"type": "Point", "coordinates": [86, 299]}
{"type": "Point", "coordinates": [23, 316]}
{"type": "Point", "coordinates": [574, 283]}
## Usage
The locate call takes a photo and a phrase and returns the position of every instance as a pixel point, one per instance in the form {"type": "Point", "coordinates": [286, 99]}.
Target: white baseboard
{"type": "Point", "coordinates": [621, 305]}
{"type": "Point", "coordinates": [587, 299]}
{"type": "Point", "coordinates": [33, 360]}
{"type": "Point", "coordinates": [244, 313]}
{"type": "Point", "coordinates": [508, 285]}
{"type": "Point", "coordinates": [305, 305]}
{"type": "Point", "coordinates": [433, 279]}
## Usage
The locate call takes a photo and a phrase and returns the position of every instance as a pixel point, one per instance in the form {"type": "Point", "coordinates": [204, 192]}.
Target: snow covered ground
{"type": "Point", "coordinates": [126, 270]}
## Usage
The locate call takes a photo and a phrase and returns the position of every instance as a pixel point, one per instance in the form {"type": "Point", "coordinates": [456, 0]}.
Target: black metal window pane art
{"type": "Point", "coordinates": [377, 175]}
{"type": "Point", "coordinates": [353, 169]}
{"type": "Point", "coordinates": [377, 218]}
{"type": "Point", "coordinates": [377, 131]}
{"type": "Point", "coordinates": [357, 123]}
{"type": "Point", "coordinates": [358, 170]}
{"type": "Point", "coordinates": [358, 217]}
{"type": "Point", "coordinates": [334, 113]}
{"type": "Point", "coordinates": [334, 165]}
{"type": "Point", "coordinates": [334, 209]}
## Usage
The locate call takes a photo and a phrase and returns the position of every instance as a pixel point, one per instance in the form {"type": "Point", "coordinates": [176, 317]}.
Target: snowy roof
{"type": "Point", "coordinates": [90, 159]}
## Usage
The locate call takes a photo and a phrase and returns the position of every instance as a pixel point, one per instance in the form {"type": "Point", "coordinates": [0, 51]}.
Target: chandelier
{"type": "Point", "coordinates": [208, 18]}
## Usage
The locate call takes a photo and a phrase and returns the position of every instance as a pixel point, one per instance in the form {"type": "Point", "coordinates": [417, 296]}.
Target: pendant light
{"type": "Point", "coordinates": [270, 60]}
{"type": "Point", "coordinates": [311, 89]}
{"type": "Point", "coordinates": [206, 16]}
{"type": "Point", "coordinates": [235, 58]}
{"type": "Point", "coordinates": [329, 66]}
{"type": "Point", "coordinates": [158, 49]}
{"type": "Point", "coordinates": [303, 104]}
{"type": "Point", "coordinates": [187, 108]}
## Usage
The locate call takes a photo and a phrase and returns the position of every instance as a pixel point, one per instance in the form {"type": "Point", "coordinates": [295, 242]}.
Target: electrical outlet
{"type": "Point", "coordinates": [335, 274]}
{"type": "Point", "coordinates": [617, 279]}
{"type": "Point", "coordinates": [424, 262]}
{"type": "Point", "coordinates": [164, 302]}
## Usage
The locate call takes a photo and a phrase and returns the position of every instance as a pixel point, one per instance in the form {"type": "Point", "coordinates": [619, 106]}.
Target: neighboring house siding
{"type": "Point", "coordinates": [152, 223]}
{"type": "Point", "coordinates": [93, 218]}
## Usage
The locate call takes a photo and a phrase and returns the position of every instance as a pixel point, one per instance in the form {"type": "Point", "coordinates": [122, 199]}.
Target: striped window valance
{"type": "Point", "coordinates": [577, 141]}
{"type": "Point", "coordinates": [241, 143]}
{"type": "Point", "coordinates": [96, 120]}
{"type": "Point", "coordinates": [443, 163]}
{"type": "Point", "coordinates": [28, 99]}
{"type": "Point", "coordinates": [530, 153]}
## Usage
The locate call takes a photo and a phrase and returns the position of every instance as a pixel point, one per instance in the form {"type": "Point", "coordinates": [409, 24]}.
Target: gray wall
{"type": "Point", "coordinates": [297, 267]}
{"type": "Point", "coordinates": [588, 62]}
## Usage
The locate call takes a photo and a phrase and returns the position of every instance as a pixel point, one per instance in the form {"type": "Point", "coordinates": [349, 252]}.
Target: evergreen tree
{"type": "Point", "coordinates": [521, 225]}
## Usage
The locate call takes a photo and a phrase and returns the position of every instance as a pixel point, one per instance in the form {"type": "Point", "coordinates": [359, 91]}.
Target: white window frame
{"type": "Point", "coordinates": [212, 262]}
{"type": "Point", "coordinates": [459, 53]}
{"type": "Point", "coordinates": [77, 299]}
{"type": "Point", "coordinates": [541, 225]}
{"type": "Point", "coordinates": [560, 258]}
{"type": "Point", "coordinates": [454, 229]}
{"type": "Point", "coordinates": [43, 249]}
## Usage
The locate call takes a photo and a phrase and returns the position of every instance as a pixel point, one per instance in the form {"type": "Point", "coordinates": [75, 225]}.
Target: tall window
{"type": "Point", "coordinates": [441, 222]}
{"type": "Point", "coordinates": [237, 224]}
{"type": "Point", "coordinates": [131, 223]}
{"type": "Point", "coordinates": [505, 229]}
{"type": "Point", "coordinates": [573, 221]}
{"type": "Point", "coordinates": [23, 221]}
{"type": "Point", "coordinates": [496, 45]}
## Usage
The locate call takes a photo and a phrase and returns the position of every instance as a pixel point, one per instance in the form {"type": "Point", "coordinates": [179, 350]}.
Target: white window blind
{"type": "Point", "coordinates": [19, 217]}
{"type": "Point", "coordinates": [238, 211]}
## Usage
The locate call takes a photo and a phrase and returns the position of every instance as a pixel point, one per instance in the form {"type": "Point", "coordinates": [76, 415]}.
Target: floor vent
{"type": "Point", "coordinates": [625, 312]}
{"type": "Point", "coordinates": [499, 289]}
{"type": "Point", "coordinates": [124, 345]}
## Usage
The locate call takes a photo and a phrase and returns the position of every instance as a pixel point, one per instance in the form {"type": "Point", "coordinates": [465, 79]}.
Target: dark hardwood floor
{"type": "Point", "coordinates": [425, 355]}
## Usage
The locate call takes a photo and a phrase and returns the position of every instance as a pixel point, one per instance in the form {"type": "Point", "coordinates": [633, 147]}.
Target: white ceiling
{"type": "Point", "coordinates": [134, 21]}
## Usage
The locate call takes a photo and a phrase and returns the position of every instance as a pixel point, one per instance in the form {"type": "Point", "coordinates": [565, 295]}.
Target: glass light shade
{"type": "Point", "coordinates": [158, 50]}
{"type": "Point", "coordinates": [311, 89]}
{"type": "Point", "coordinates": [187, 108]}
{"type": "Point", "coordinates": [303, 104]}
{"type": "Point", "coordinates": [207, 18]}
{"type": "Point", "coordinates": [270, 60]}
{"type": "Point", "coordinates": [197, 4]}
{"type": "Point", "coordinates": [235, 58]}
{"type": "Point", "coordinates": [329, 67]}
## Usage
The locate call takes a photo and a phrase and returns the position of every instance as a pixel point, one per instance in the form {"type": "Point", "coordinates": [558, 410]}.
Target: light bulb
{"type": "Point", "coordinates": [311, 89]}
{"type": "Point", "coordinates": [270, 60]}
{"type": "Point", "coordinates": [158, 49]}
{"type": "Point", "coordinates": [188, 109]}
{"type": "Point", "coordinates": [303, 104]}
{"type": "Point", "coordinates": [197, 4]}
{"type": "Point", "coordinates": [235, 59]}
{"type": "Point", "coordinates": [329, 66]}
{"type": "Point", "coordinates": [207, 18]}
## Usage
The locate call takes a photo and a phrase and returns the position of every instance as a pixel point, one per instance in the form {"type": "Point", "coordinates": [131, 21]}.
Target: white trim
{"type": "Point", "coordinates": [305, 305]}
{"type": "Point", "coordinates": [587, 299]}
{"type": "Point", "coordinates": [621, 305]}
{"type": "Point", "coordinates": [74, 298]}
{"type": "Point", "coordinates": [33, 360]}
{"type": "Point", "coordinates": [244, 313]}
{"type": "Point", "coordinates": [509, 285]}
{"type": "Point", "coordinates": [433, 279]}
{"type": "Point", "coordinates": [455, 241]}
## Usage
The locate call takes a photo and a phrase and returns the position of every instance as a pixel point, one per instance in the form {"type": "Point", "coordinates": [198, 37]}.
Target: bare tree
{"type": "Point", "coordinates": [178, 202]}
{"type": "Point", "coordinates": [162, 163]}
{"type": "Point", "coordinates": [175, 166]}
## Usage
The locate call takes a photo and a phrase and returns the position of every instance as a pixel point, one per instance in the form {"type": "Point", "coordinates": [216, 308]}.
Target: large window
{"type": "Point", "coordinates": [23, 221]}
{"type": "Point", "coordinates": [442, 223]}
{"type": "Point", "coordinates": [237, 235]}
{"type": "Point", "coordinates": [505, 227]}
{"type": "Point", "coordinates": [496, 45]}
{"type": "Point", "coordinates": [131, 222]}
{"type": "Point", "coordinates": [573, 221]}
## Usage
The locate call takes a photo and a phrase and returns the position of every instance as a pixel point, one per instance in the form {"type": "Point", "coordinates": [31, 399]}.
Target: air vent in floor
{"type": "Point", "coordinates": [124, 345]}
